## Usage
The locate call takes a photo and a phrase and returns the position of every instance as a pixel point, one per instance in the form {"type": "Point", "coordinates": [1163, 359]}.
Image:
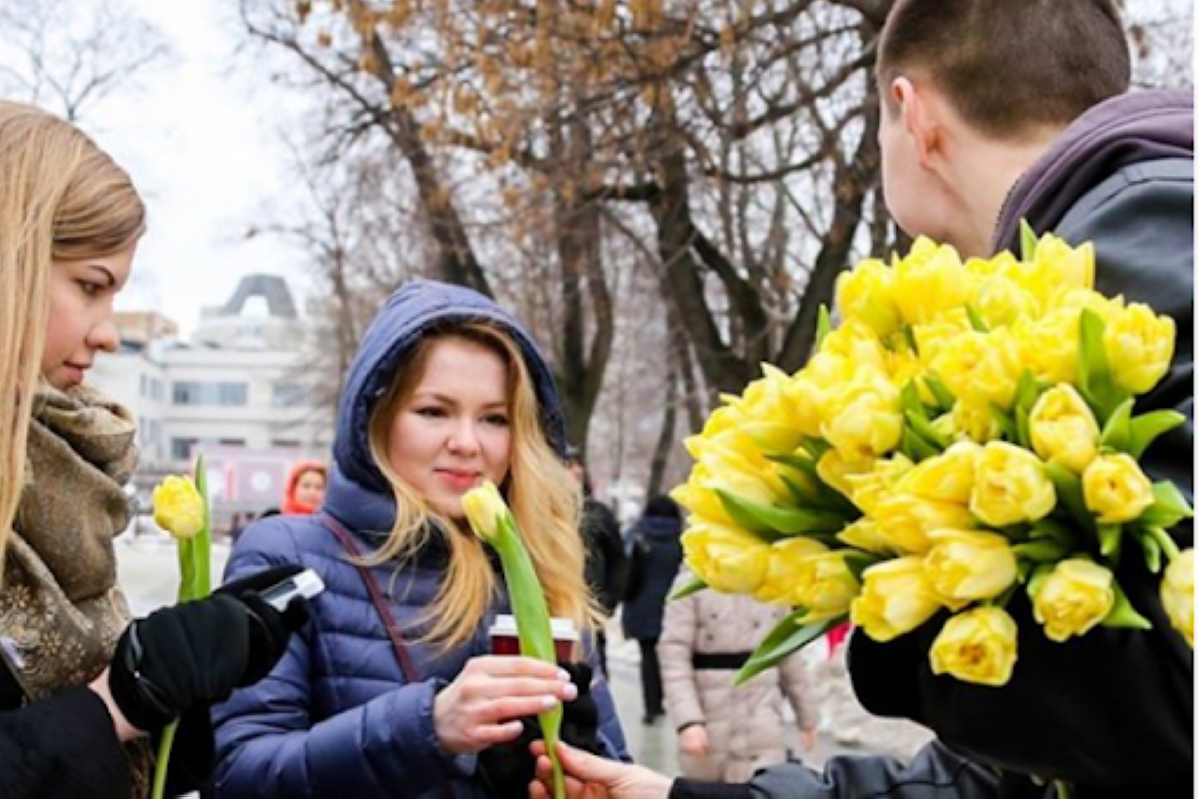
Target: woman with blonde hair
{"type": "Point", "coordinates": [393, 692]}
{"type": "Point", "coordinates": [80, 686]}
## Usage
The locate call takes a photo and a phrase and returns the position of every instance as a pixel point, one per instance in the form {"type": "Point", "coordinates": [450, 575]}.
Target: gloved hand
{"type": "Point", "coordinates": [506, 769]}
{"type": "Point", "coordinates": [198, 652]}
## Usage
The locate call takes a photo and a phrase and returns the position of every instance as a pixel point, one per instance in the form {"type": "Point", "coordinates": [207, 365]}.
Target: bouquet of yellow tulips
{"type": "Point", "coordinates": [965, 432]}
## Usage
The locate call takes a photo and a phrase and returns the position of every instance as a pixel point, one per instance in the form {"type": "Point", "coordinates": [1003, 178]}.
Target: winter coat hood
{"type": "Point", "coordinates": [415, 309]}
{"type": "Point", "coordinates": [1127, 129]}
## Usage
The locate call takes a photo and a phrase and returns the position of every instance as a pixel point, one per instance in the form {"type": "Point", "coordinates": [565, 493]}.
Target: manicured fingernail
{"type": "Point", "coordinates": [549, 702]}
{"type": "Point", "coordinates": [570, 691]}
{"type": "Point", "coordinates": [564, 675]}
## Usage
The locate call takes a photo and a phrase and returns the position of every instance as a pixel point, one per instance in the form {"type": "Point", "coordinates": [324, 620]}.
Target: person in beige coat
{"type": "Point", "coordinates": [727, 733]}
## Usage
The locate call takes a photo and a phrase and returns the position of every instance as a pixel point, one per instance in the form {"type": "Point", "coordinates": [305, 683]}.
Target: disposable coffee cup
{"type": "Point", "coordinates": [503, 633]}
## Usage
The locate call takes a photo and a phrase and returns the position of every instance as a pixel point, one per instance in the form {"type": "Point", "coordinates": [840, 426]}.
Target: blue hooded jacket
{"type": "Point", "coordinates": [337, 717]}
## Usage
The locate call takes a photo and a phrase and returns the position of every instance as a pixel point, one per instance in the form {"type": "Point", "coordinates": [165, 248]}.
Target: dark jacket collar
{"type": "Point", "coordinates": [1127, 129]}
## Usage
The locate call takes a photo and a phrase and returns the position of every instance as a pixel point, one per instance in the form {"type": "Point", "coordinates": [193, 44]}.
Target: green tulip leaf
{"type": "Point", "coordinates": [824, 325]}
{"type": "Point", "coordinates": [1095, 379]}
{"type": "Point", "coordinates": [1069, 490]}
{"type": "Point", "coordinates": [1123, 614]}
{"type": "Point", "coordinates": [1150, 549]}
{"type": "Point", "coordinates": [1118, 432]}
{"type": "Point", "coordinates": [772, 521]}
{"type": "Point", "coordinates": [978, 324]}
{"type": "Point", "coordinates": [1029, 241]}
{"type": "Point", "coordinates": [1110, 540]}
{"type": "Point", "coordinates": [1144, 429]}
{"type": "Point", "coordinates": [787, 638]}
{"type": "Point", "coordinates": [1169, 508]}
{"type": "Point", "coordinates": [943, 395]}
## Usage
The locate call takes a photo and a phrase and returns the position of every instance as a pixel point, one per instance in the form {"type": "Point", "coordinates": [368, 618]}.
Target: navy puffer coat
{"type": "Point", "coordinates": [336, 717]}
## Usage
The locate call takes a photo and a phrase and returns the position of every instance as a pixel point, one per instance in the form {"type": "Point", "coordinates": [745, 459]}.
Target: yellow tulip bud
{"type": "Point", "coordinates": [726, 558]}
{"type": "Point", "coordinates": [896, 598]}
{"type": "Point", "coordinates": [978, 646]}
{"type": "Point", "coordinates": [178, 507]}
{"type": "Point", "coordinates": [864, 419]}
{"type": "Point", "coordinates": [858, 344]}
{"type": "Point", "coordinates": [980, 368]}
{"type": "Point", "coordinates": [825, 585]}
{"type": "Point", "coordinates": [1056, 269]}
{"type": "Point", "coordinates": [836, 472]}
{"type": "Point", "coordinates": [1049, 347]}
{"type": "Point", "coordinates": [929, 281]}
{"type": "Point", "coordinates": [867, 489]}
{"type": "Point", "coordinates": [865, 294]}
{"type": "Point", "coordinates": [1063, 428]}
{"type": "Point", "coordinates": [1011, 486]}
{"type": "Point", "coordinates": [1002, 303]}
{"type": "Point", "coordinates": [1116, 489]}
{"type": "Point", "coordinates": [1139, 345]}
{"type": "Point", "coordinates": [906, 520]}
{"type": "Point", "coordinates": [782, 582]}
{"type": "Point", "coordinates": [864, 534]}
{"type": "Point", "coordinates": [932, 337]}
{"type": "Point", "coordinates": [971, 422]}
{"type": "Point", "coordinates": [1073, 598]}
{"type": "Point", "coordinates": [967, 565]}
{"type": "Point", "coordinates": [484, 509]}
{"type": "Point", "coordinates": [948, 477]}
{"type": "Point", "coordinates": [1178, 594]}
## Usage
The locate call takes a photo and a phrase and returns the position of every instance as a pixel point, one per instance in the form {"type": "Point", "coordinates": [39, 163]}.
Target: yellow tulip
{"type": "Point", "coordinates": [980, 368]}
{"type": "Point", "coordinates": [896, 598]}
{"type": "Point", "coordinates": [1073, 598]}
{"type": "Point", "coordinates": [1056, 269]}
{"type": "Point", "coordinates": [929, 281]}
{"type": "Point", "coordinates": [782, 581]}
{"type": "Point", "coordinates": [1116, 489]}
{"type": "Point", "coordinates": [837, 472]}
{"type": "Point", "coordinates": [1011, 486]}
{"type": "Point", "coordinates": [978, 646]}
{"type": "Point", "coordinates": [948, 477]}
{"type": "Point", "coordinates": [968, 565]}
{"type": "Point", "coordinates": [1063, 429]}
{"type": "Point", "coordinates": [484, 509]}
{"type": "Point", "coordinates": [906, 520]}
{"type": "Point", "coordinates": [864, 419]}
{"type": "Point", "coordinates": [178, 507]}
{"type": "Point", "coordinates": [867, 489]}
{"type": "Point", "coordinates": [1178, 594]}
{"type": "Point", "coordinates": [858, 344]}
{"type": "Point", "coordinates": [971, 422]}
{"type": "Point", "coordinates": [933, 336]}
{"type": "Point", "coordinates": [825, 586]}
{"type": "Point", "coordinates": [1139, 345]}
{"type": "Point", "coordinates": [864, 534]}
{"type": "Point", "coordinates": [1002, 303]}
{"type": "Point", "coordinates": [865, 294]}
{"type": "Point", "coordinates": [726, 558]}
{"type": "Point", "coordinates": [1049, 346]}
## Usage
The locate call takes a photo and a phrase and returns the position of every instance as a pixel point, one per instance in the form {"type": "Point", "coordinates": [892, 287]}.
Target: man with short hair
{"type": "Point", "coordinates": [997, 111]}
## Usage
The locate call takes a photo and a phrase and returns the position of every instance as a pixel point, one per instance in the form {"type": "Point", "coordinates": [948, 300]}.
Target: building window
{"type": "Point", "coordinates": [285, 443]}
{"type": "Point", "coordinates": [289, 395]}
{"type": "Point", "coordinates": [223, 394]}
{"type": "Point", "coordinates": [181, 448]}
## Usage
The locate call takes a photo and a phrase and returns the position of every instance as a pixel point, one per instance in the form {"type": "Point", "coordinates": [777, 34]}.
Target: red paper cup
{"type": "Point", "coordinates": [503, 633]}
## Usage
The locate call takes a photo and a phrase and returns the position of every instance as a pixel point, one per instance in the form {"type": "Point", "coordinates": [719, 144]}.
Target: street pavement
{"type": "Point", "coordinates": [148, 572]}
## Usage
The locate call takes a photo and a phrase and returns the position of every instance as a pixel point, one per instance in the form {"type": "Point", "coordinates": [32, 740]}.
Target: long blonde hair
{"type": "Point", "coordinates": [544, 499]}
{"type": "Point", "coordinates": [61, 197]}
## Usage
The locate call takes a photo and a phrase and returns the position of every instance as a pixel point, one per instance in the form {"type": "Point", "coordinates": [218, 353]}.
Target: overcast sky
{"type": "Point", "coordinates": [200, 146]}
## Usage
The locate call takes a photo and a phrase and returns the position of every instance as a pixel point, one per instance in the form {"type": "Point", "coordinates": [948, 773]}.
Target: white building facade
{"type": "Point", "coordinates": [239, 392]}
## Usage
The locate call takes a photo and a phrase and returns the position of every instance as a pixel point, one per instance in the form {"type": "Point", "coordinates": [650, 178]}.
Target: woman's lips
{"type": "Point", "coordinates": [461, 481]}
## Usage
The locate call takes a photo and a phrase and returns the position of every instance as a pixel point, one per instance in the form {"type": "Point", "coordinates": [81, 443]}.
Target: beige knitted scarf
{"type": "Point", "coordinates": [61, 612]}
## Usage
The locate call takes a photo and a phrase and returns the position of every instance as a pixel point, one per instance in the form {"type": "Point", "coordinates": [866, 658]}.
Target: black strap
{"type": "Point", "coordinates": [399, 645]}
{"type": "Point", "coordinates": [720, 660]}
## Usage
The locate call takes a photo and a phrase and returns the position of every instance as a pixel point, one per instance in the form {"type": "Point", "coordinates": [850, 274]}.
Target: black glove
{"type": "Point", "coordinates": [198, 652]}
{"type": "Point", "coordinates": [507, 769]}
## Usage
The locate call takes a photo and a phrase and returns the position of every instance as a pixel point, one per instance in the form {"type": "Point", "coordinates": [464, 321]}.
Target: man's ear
{"type": "Point", "coordinates": [919, 118]}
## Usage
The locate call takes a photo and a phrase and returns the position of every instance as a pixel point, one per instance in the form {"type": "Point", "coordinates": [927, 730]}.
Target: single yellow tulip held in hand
{"type": "Point", "coordinates": [493, 522]}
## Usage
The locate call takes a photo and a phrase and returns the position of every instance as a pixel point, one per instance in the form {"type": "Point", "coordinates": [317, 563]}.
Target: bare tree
{"type": "Point", "coordinates": [68, 55]}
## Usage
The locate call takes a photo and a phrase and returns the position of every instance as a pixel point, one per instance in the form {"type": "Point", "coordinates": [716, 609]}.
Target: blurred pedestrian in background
{"type": "Point", "coordinates": [304, 490]}
{"type": "Point", "coordinates": [654, 557]}
{"type": "Point", "coordinates": [606, 568]}
{"type": "Point", "coordinates": [727, 733]}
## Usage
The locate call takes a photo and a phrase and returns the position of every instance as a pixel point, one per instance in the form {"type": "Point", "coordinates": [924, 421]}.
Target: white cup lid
{"type": "Point", "coordinates": [561, 629]}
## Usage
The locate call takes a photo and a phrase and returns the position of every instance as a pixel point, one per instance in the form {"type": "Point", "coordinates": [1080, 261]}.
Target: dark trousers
{"type": "Point", "coordinates": [652, 690]}
{"type": "Point", "coordinates": [602, 652]}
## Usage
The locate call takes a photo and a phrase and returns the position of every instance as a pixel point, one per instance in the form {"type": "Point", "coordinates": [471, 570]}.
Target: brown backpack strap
{"type": "Point", "coordinates": [399, 645]}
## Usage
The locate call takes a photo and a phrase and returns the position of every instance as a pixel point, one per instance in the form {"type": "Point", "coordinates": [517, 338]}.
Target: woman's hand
{"type": "Point", "coordinates": [592, 777]}
{"type": "Point", "coordinates": [484, 704]}
{"type": "Point", "coordinates": [693, 741]}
